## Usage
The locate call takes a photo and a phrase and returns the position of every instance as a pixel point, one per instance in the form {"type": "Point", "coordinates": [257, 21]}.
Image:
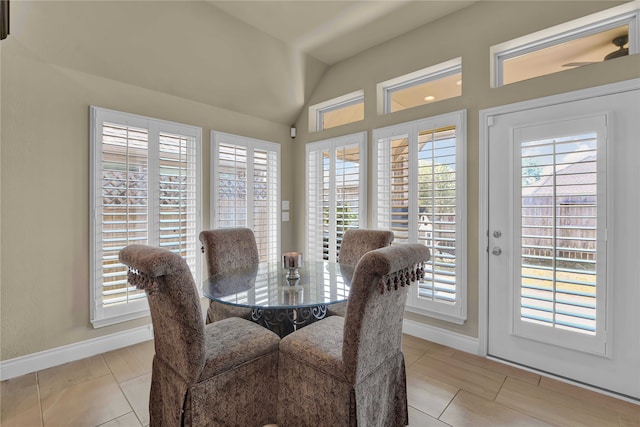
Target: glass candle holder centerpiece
{"type": "Point", "coordinates": [292, 261]}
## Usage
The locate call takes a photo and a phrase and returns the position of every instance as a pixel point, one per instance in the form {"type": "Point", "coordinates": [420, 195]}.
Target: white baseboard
{"type": "Point", "coordinates": [57, 356]}
{"type": "Point", "coordinates": [441, 336]}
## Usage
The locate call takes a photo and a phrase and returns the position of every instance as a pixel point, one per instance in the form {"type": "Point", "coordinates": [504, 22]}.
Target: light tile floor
{"type": "Point", "coordinates": [446, 387]}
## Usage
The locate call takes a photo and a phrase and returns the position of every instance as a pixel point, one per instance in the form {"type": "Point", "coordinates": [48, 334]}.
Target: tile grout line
{"type": "Point", "coordinates": [500, 389]}
{"type": "Point", "coordinates": [39, 398]}
{"type": "Point", "coordinates": [121, 391]}
{"type": "Point", "coordinates": [448, 404]}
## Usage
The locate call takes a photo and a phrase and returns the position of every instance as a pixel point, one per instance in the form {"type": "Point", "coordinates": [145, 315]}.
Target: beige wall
{"type": "Point", "coordinates": [46, 94]}
{"type": "Point", "coordinates": [468, 34]}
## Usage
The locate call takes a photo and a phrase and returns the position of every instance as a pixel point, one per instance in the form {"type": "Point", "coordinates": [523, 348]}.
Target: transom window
{"type": "Point", "coordinates": [425, 86]}
{"type": "Point", "coordinates": [337, 112]}
{"type": "Point", "coordinates": [599, 37]}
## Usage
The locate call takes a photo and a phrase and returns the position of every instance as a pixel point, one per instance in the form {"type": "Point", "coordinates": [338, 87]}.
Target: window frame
{"type": "Point", "coordinates": [316, 112]}
{"type": "Point", "coordinates": [456, 312]}
{"type": "Point", "coordinates": [359, 139]}
{"type": "Point", "coordinates": [625, 14]}
{"type": "Point", "coordinates": [251, 145]}
{"type": "Point", "coordinates": [435, 72]}
{"type": "Point", "coordinates": [99, 314]}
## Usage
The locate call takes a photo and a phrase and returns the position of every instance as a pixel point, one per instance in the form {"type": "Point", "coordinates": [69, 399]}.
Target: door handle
{"type": "Point", "coordinates": [496, 250]}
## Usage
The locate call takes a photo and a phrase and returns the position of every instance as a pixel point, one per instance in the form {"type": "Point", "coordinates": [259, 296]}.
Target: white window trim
{"type": "Point", "coordinates": [316, 111]}
{"type": "Point", "coordinates": [435, 72]}
{"type": "Point", "coordinates": [457, 312]}
{"type": "Point", "coordinates": [251, 144]}
{"type": "Point", "coordinates": [330, 145]}
{"type": "Point", "coordinates": [627, 13]}
{"type": "Point", "coordinates": [99, 315]}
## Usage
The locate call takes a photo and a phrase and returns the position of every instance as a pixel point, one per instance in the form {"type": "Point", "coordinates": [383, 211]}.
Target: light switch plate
{"type": "Point", "coordinates": [285, 216]}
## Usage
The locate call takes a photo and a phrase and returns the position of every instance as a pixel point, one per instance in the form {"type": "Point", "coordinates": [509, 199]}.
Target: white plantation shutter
{"type": "Point", "coordinates": [420, 178]}
{"type": "Point", "coordinates": [315, 203]}
{"type": "Point", "coordinates": [231, 180]}
{"type": "Point", "coordinates": [266, 202]}
{"type": "Point", "coordinates": [178, 196]}
{"type": "Point", "coordinates": [145, 190]}
{"type": "Point", "coordinates": [124, 215]}
{"type": "Point", "coordinates": [336, 193]}
{"type": "Point", "coordinates": [562, 253]}
{"type": "Point", "coordinates": [437, 212]}
{"type": "Point", "coordinates": [246, 189]}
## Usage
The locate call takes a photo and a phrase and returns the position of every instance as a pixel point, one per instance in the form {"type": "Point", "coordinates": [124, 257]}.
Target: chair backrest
{"type": "Point", "coordinates": [229, 249]}
{"type": "Point", "coordinates": [178, 326]}
{"type": "Point", "coordinates": [373, 322]}
{"type": "Point", "coordinates": [357, 242]}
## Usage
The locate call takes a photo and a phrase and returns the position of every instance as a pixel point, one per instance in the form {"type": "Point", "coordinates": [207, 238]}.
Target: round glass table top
{"type": "Point", "coordinates": [267, 286]}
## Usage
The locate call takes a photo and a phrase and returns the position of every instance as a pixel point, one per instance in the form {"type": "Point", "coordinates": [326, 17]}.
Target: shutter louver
{"type": "Point", "coordinates": [347, 190]}
{"type": "Point", "coordinates": [125, 206]}
{"type": "Point", "coordinates": [248, 189]}
{"type": "Point", "coordinates": [335, 193]}
{"type": "Point", "coordinates": [437, 211]}
{"type": "Point", "coordinates": [232, 186]}
{"type": "Point", "coordinates": [178, 196]}
{"type": "Point", "coordinates": [559, 211]}
{"type": "Point", "coordinates": [265, 203]}
{"type": "Point", "coordinates": [315, 230]}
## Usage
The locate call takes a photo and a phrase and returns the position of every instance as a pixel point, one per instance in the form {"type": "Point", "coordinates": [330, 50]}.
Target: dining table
{"type": "Point", "coordinates": [277, 301]}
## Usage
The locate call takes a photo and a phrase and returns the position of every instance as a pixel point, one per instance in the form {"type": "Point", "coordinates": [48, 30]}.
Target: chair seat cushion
{"type": "Point", "coordinates": [318, 345]}
{"type": "Point", "coordinates": [234, 341]}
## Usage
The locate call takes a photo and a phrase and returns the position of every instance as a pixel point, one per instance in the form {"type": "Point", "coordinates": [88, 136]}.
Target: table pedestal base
{"type": "Point", "coordinates": [283, 321]}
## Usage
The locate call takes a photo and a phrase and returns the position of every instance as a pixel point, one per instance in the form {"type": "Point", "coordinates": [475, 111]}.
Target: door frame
{"type": "Point", "coordinates": [486, 117]}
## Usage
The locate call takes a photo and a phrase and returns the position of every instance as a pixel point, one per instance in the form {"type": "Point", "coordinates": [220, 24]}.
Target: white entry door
{"type": "Point", "coordinates": [564, 238]}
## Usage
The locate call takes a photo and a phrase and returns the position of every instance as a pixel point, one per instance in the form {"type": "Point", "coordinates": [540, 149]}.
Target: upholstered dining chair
{"type": "Point", "coordinates": [348, 371]}
{"type": "Point", "coordinates": [228, 249]}
{"type": "Point", "coordinates": [355, 243]}
{"type": "Point", "coordinates": [219, 374]}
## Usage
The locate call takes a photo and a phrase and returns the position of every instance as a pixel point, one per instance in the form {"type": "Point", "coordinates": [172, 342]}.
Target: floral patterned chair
{"type": "Point", "coordinates": [228, 249]}
{"type": "Point", "coordinates": [348, 371]}
{"type": "Point", "coordinates": [355, 243]}
{"type": "Point", "coordinates": [219, 374]}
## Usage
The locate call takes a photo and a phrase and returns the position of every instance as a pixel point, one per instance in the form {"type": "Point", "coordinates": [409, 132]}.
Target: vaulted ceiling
{"type": "Point", "coordinates": [331, 31]}
{"type": "Point", "coordinates": [261, 58]}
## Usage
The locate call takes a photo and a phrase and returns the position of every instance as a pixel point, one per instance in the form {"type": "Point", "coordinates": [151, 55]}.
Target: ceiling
{"type": "Point", "coordinates": [331, 31]}
{"type": "Point", "coordinates": [260, 58]}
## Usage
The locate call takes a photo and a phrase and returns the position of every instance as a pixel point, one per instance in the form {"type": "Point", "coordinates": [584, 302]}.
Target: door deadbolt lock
{"type": "Point", "coordinates": [496, 251]}
{"type": "Point", "coordinates": [497, 234]}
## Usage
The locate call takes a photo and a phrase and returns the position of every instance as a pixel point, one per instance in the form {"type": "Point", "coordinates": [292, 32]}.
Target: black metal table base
{"type": "Point", "coordinates": [283, 321]}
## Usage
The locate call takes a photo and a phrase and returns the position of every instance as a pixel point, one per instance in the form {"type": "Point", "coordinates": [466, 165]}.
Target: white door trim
{"type": "Point", "coordinates": [486, 118]}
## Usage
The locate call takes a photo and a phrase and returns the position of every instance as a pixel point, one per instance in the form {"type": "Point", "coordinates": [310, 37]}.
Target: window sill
{"type": "Point", "coordinates": [458, 320]}
{"type": "Point", "coordinates": [112, 320]}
